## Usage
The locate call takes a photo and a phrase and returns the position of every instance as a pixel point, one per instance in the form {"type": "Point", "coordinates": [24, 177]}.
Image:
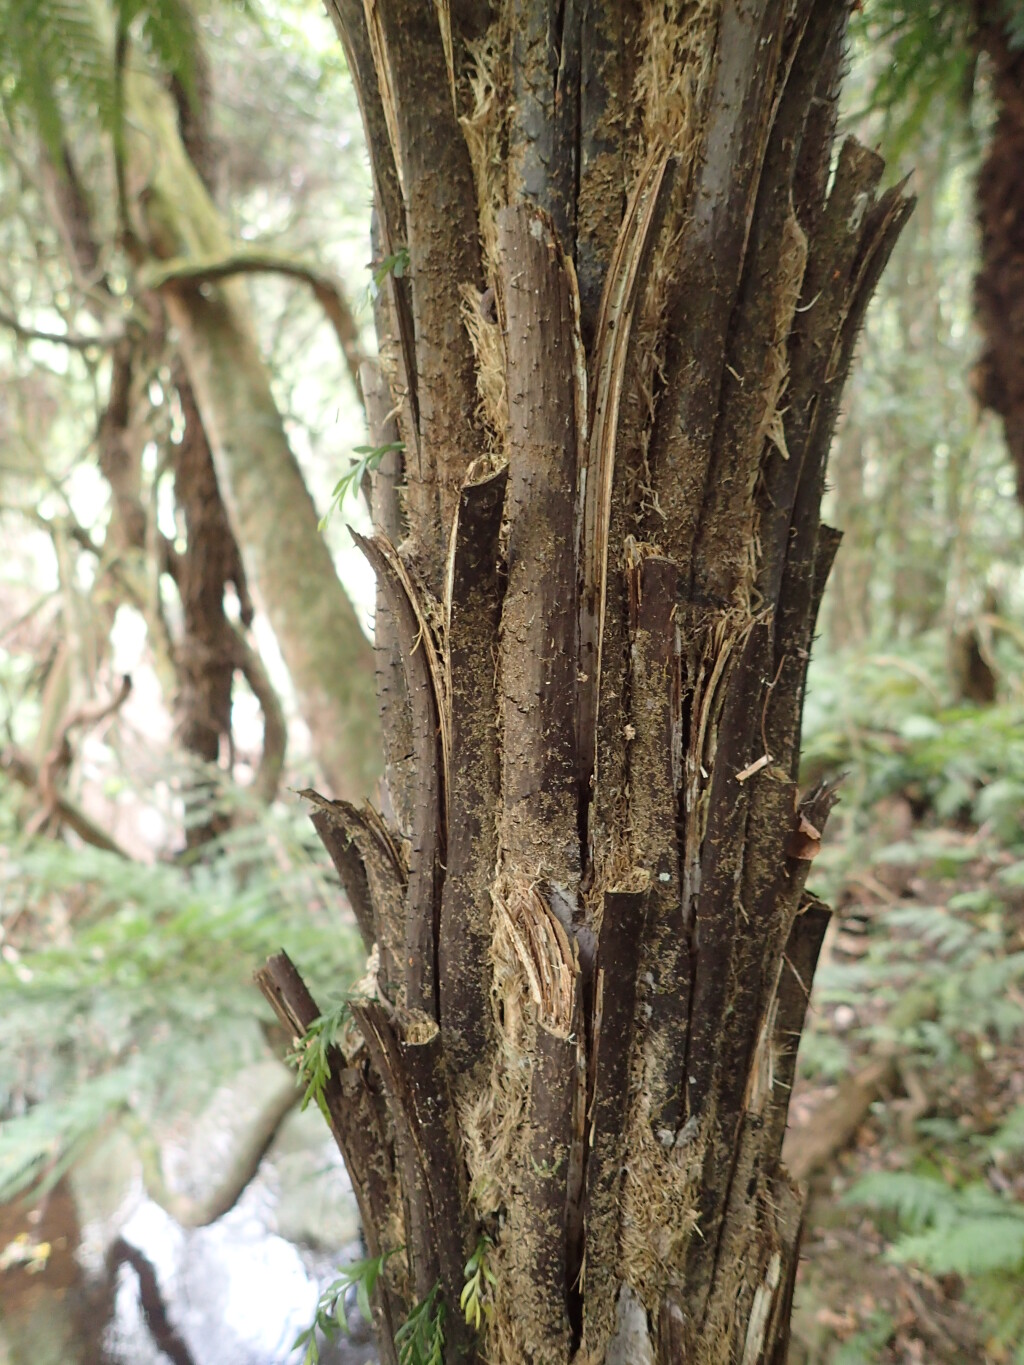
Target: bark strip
{"type": "Point", "coordinates": [613, 367]}
{"type": "Point", "coordinates": [389, 521]}
{"type": "Point", "coordinates": [720, 204]}
{"type": "Point", "coordinates": [349, 19]}
{"type": "Point", "coordinates": [444, 253]}
{"type": "Point", "coordinates": [537, 1215]}
{"type": "Point", "coordinates": [424, 682]}
{"type": "Point", "coordinates": [608, 56]}
{"type": "Point", "coordinates": [794, 993]}
{"type": "Point", "coordinates": [373, 873]}
{"type": "Point", "coordinates": [355, 1123]}
{"type": "Point", "coordinates": [545, 64]}
{"type": "Point", "coordinates": [539, 770]}
{"type": "Point", "coordinates": [406, 1052]}
{"type": "Point", "coordinates": [474, 611]}
{"type": "Point", "coordinates": [655, 777]}
{"type": "Point", "coordinates": [616, 991]}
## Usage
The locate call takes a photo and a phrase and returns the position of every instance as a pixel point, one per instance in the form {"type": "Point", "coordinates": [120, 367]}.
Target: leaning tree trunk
{"type": "Point", "coordinates": [616, 361]}
{"type": "Point", "coordinates": [271, 513]}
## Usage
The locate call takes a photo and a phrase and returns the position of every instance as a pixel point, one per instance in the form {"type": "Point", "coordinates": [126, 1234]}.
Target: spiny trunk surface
{"type": "Point", "coordinates": [999, 288]}
{"type": "Point", "coordinates": [615, 363]}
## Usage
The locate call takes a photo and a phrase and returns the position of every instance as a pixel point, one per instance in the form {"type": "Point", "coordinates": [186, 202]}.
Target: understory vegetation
{"type": "Point", "coordinates": [913, 1059]}
{"type": "Point", "coordinates": [157, 751]}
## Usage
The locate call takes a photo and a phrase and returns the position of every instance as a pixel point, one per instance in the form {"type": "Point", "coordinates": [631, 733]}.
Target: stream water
{"type": "Point", "coordinates": [81, 1267]}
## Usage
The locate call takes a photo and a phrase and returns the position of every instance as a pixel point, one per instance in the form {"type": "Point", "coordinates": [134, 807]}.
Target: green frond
{"type": "Point", "coordinates": [57, 57]}
{"type": "Point", "coordinates": [970, 1247]}
{"type": "Point", "coordinates": [150, 1005]}
{"type": "Point", "coordinates": [972, 1231]}
{"type": "Point", "coordinates": [55, 54]}
{"type": "Point", "coordinates": [929, 74]}
{"type": "Point", "coordinates": [919, 1201]}
{"type": "Point", "coordinates": [169, 33]}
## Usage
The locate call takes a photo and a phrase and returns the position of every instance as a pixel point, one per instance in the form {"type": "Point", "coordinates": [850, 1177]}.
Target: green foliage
{"type": "Point", "coordinates": [396, 264]}
{"type": "Point", "coordinates": [475, 1299]}
{"type": "Point", "coordinates": [167, 29]}
{"type": "Point", "coordinates": [420, 1339]}
{"type": "Point", "coordinates": [881, 720]}
{"type": "Point", "coordinates": [57, 57]}
{"type": "Point", "coordinates": [928, 67]}
{"type": "Point", "coordinates": [943, 982]}
{"type": "Point", "coordinates": [969, 1231]}
{"type": "Point", "coordinates": [865, 1347]}
{"type": "Point", "coordinates": [330, 1309]}
{"type": "Point", "coordinates": [311, 1056]}
{"type": "Point", "coordinates": [350, 482]}
{"type": "Point", "coordinates": [1009, 1136]}
{"type": "Point", "coordinates": [134, 990]}
{"type": "Point", "coordinates": [937, 981]}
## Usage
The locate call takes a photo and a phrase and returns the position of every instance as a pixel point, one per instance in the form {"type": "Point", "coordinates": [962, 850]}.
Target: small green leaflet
{"type": "Point", "coordinates": [420, 1339]}
{"type": "Point", "coordinates": [369, 459]}
{"type": "Point", "coordinates": [474, 1299]}
{"type": "Point", "coordinates": [396, 264]}
{"type": "Point", "coordinates": [311, 1054]}
{"type": "Point", "coordinates": [330, 1308]}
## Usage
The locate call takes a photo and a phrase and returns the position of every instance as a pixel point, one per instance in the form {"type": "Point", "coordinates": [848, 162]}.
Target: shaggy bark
{"type": "Point", "coordinates": [594, 946]}
{"type": "Point", "coordinates": [999, 288]}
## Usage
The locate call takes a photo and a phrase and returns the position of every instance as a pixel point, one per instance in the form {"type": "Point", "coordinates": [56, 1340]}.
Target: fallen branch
{"type": "Point", "coordinates": [834, 1125]}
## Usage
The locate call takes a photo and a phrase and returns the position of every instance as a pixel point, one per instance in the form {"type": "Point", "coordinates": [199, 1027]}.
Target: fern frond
{"type": "Point", "coordinates": [929, 74]}
{"type": "Point", "coordinates": [919, 1201]}
{"type": "Point", "coordinates": [970, 1247]}
{"type": "Point", "coordinates": [57, 56]}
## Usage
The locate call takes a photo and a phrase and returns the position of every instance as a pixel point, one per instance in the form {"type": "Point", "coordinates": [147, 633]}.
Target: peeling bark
{"type": "Point", "coordinates": [474, 613]}
{"type": "Point", "coordinates": [606, 941]}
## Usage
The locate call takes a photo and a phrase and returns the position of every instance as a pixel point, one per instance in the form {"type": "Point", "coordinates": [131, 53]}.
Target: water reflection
{"type": "Point", "coordinates": [234, 1293]}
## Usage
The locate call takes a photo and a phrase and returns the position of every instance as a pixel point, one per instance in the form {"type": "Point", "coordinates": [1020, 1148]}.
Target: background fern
{"type": "Point", "coordinates": [139, 998]}
{"type": "Point", "coordinates": [969, 1231]}
{"type": "Point", "coordinates": [58, 56]}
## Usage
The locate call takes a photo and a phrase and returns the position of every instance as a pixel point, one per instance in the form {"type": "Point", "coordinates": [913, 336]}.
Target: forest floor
{"type": "Point", "coordinates": [908, 1118]}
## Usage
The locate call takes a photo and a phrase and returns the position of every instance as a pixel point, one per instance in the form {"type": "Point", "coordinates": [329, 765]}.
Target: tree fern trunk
{"type": "Point", "coordinates": [594, 945]}
{"type": "Point", "coordinates": [999, 288]}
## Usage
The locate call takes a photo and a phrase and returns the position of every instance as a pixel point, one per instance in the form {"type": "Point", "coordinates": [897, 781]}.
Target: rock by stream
{"type": "Point", "coordinates": [236, 1292]}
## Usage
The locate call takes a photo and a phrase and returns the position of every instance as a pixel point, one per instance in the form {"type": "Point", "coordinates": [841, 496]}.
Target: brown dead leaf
{"type": "Point", "coordinates": [805, 841]}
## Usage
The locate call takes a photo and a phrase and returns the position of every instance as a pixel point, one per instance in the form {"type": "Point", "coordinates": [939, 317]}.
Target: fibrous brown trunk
{"type": "Point", "coordinates": [999, 288]}
{"type": "Point", "coordinates": [593, 945]}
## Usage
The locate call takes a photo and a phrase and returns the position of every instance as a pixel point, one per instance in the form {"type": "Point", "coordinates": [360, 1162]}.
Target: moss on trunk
{"type": "Point", "coordinates": [581, 1032]}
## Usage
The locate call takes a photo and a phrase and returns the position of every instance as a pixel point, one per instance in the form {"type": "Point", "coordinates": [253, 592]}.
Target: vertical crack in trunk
{"type": "Point", "coordinates": [594, 948]}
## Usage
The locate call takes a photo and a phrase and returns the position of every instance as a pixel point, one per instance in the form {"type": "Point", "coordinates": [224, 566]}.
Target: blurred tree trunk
{"type": "Point", "coordinates": [616, 357]}
{"type": "Point", "coordinates": [1000, 282]}
{"type": "Point", "coordinates": [848, 613]}
{"type": "Point", "coordinates": [199, 667]}
{"type": "Point", "coordinates": [269, 507]}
